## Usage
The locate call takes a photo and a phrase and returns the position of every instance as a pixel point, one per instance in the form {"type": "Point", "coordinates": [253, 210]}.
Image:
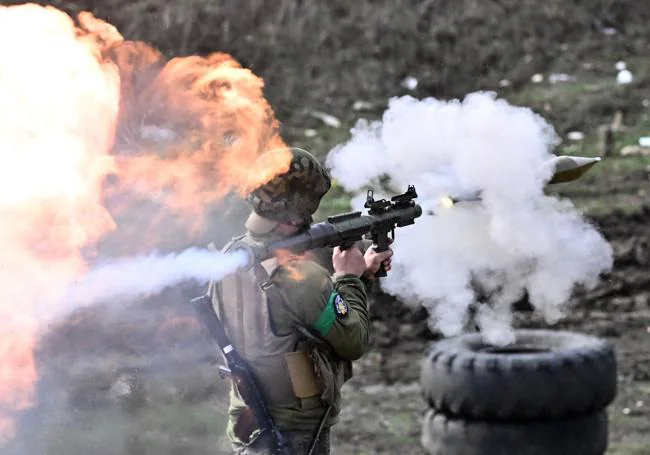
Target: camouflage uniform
{"type": "Point", "coordinates": [298, 327]}
{"type": "Point", "coordinates": [300, 442]}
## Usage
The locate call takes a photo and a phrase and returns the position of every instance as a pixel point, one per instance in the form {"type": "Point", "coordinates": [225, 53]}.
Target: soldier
{"type": "Point", "coordinates": [298, 326]}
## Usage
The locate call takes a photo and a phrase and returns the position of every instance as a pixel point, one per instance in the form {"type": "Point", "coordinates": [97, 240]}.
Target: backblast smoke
{"type": "Point", "coordinates": [107, 150]}
{"type": "Point", "coordinates": [516, 239]}
{"type": "Point", "coordinates": [131, 278]}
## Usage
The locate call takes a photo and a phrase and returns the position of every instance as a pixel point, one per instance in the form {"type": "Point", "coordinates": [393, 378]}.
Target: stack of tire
{"type": "Point", "coordinates": [546, 394]}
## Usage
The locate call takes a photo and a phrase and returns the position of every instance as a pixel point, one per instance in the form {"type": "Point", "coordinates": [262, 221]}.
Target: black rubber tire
{"type": "Point", "coordinates": [544, 375]}
{"type": "Point", "coordinates": [586, 435]}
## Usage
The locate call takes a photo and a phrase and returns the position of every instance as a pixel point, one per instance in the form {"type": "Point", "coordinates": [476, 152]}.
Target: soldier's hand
{"type": "Point", "coordinates": [349, 261]}
{"type": "Point", "coordinates": [374, 260]}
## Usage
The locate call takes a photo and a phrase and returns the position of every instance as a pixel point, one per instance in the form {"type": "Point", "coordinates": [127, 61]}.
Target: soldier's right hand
{"type": "Point", "coordinates": [348, 261]}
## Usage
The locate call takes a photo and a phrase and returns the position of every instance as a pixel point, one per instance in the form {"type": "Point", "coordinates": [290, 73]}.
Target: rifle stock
{"type": "Point", "coordinates": [241, 374]}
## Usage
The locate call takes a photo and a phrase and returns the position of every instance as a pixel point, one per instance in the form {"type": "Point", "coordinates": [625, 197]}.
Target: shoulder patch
{"type": "Point", "coordinates": [340, 307]}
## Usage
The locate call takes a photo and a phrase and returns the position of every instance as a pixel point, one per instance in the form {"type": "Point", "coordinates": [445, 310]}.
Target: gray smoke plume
{"type": "Point", "coordinates": [126, 279]}
{"type": "Point", "coordinates": [515, 239]}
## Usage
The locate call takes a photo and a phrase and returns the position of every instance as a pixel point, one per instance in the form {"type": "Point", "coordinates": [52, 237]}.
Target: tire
{"type": "Point", "coordinates": [543, 375]}
{"type": "Point", "coordinates": [586, 435]}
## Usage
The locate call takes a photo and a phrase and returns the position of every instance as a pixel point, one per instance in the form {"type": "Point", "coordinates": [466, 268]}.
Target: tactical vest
{"type": "Point", "coordinates": [244, 302]}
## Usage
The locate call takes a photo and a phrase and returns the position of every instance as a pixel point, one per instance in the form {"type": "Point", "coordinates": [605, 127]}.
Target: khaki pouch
{"type": "Point", "coordinates": [302, 374]}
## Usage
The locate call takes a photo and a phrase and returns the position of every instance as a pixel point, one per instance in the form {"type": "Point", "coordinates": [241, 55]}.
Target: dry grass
{"type": "Point", "coordinates": [327, 54]}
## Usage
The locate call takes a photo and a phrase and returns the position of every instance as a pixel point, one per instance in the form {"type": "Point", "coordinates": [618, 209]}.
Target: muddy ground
{"type": "Point", "coordinates": [141, 379]}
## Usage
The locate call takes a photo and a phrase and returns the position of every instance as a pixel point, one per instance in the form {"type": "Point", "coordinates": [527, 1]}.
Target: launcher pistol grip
{"type": "Point", "coordinates": [380, 239]}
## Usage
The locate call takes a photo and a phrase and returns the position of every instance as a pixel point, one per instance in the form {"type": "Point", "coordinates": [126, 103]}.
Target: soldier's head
{"type": "Point", "coordinates": [287, 201]}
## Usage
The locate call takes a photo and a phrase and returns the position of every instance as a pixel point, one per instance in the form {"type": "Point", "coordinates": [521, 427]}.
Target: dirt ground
{"type": "Point", "coordinates": [384, 402]}
{"type": "Point", "coordinates": [142, 379]}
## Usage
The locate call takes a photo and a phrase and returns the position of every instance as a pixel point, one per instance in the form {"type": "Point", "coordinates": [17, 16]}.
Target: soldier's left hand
{"type": "Point", "coordinates": [374, 260]}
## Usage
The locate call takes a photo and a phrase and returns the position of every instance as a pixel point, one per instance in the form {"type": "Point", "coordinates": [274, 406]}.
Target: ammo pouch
{"type": "Point", "coordinates": [302, 375]}
{"type": "Point", "coordinates": [330, 371]}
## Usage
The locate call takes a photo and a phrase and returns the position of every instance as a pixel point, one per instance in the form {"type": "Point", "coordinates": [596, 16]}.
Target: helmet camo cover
{"type": "Point", "coordinates": [294, 195]}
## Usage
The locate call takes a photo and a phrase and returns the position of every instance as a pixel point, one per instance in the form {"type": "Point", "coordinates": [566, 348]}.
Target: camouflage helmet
{"type": "Point", "coordinates": [293, 196]}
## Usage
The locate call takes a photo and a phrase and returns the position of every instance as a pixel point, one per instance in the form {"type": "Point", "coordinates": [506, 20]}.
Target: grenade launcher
{"type": "Point", "coordinates": [344, 230]}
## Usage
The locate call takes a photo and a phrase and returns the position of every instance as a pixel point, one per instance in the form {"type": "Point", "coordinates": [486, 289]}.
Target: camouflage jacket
{"type": "Point", "coordinates": [334, 310]}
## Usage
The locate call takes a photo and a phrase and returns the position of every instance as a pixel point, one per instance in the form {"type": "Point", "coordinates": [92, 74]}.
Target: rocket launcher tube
{"type": "Point", "coordinates": [344, 230]}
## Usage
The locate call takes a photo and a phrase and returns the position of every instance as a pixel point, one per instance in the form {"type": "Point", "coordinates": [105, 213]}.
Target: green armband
{"type": "Point", "coordinates": [327, 317]}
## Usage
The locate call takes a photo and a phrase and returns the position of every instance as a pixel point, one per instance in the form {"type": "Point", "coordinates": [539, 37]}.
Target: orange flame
{"type": "Point", "coordinates": [287, 260]}
{"type": "Point", "coordinates": [189, 132]}
{"type": "Point", "coordinates": [87, 116]}
{"type": "Point", "coordinates": [190, 128]}
{"type": "Point", "coordinates": [55, 136]}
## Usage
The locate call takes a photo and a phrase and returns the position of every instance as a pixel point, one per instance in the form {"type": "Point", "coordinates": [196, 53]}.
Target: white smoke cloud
{"type": "Point", "coordinates": [131, 278]}
{"type": "Point", "coordinates": [515, 239]}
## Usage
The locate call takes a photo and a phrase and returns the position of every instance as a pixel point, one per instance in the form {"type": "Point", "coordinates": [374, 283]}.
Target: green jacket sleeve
{"type": "Point", "coordinates": [334, 309]}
